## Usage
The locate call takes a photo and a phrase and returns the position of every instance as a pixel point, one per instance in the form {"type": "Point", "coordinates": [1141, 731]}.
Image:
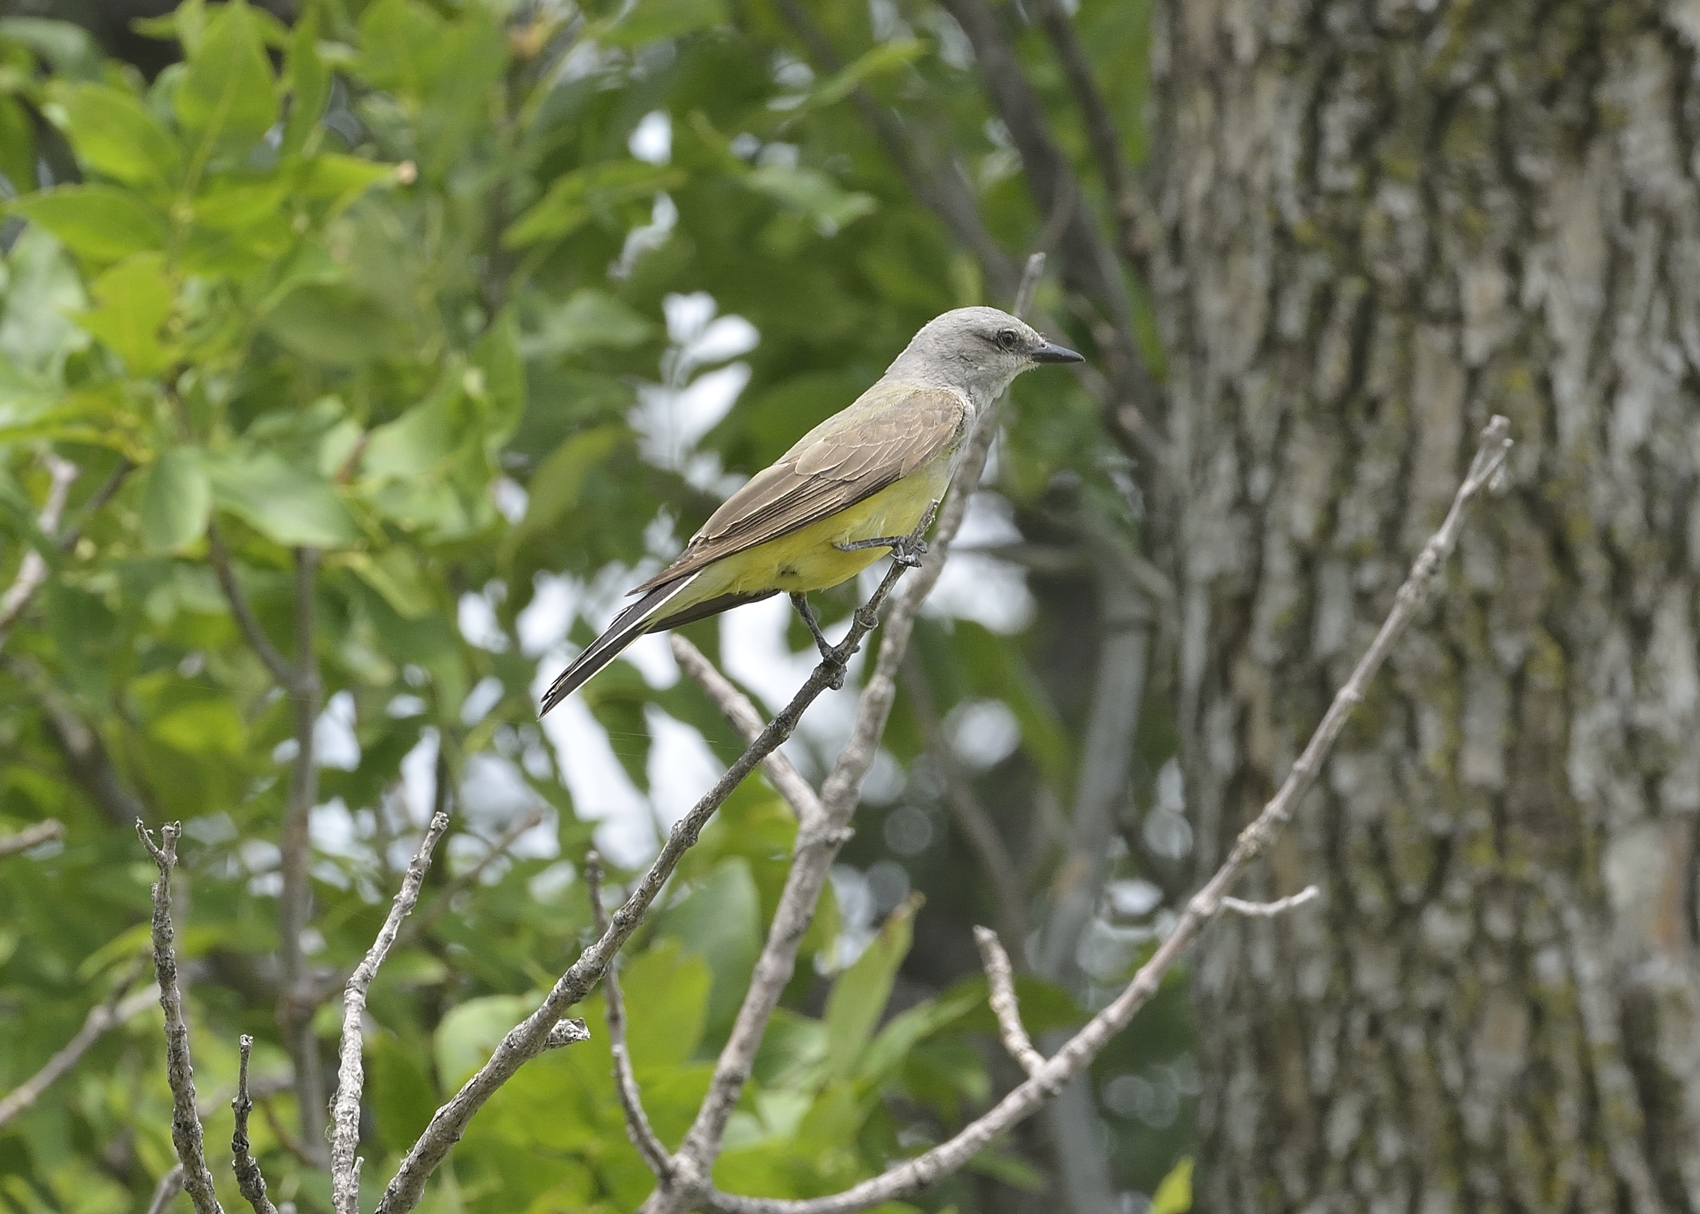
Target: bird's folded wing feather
{"type": "Point", "coordinates": [889, 432]}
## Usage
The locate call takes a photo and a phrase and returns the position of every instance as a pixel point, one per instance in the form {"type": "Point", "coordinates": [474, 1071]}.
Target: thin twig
{"type": "Point", "coordinates": [31, 836]}
{"type": "Point", "coordinates": [249, 1181]}
{"type": "Point", "coordinates": [33, 568]}
{"type": "Point", "coordinates": [166, 1191]}
{"type": "Point", "coordinates": [1030, 275]}
{"type": "Point", "coordinates": [417, 924]}
{"type": "Point", "coordinates": [179, 1067]}
{"type": "Point", "coordinates": [345, 1112]}
{"type": "Point", "coordinates": [737, 709]}
{"type": "Point", "coordinates": [528, 1038]}
{"type": "Point", "coordinates": [1001, 981]}
{"type": "Point", "coordinates": [102, 1019]}
{"type": "Point", "coordinates": [638, 1128]}
{"type": "Point", "coordinates": [1268, 910]}
{"type": "Point", "coordinates": [914, 1175]}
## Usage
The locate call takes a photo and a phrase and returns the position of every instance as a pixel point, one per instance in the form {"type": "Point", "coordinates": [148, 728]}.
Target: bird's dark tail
{"type": "Point", "coordinates": [627, 627]}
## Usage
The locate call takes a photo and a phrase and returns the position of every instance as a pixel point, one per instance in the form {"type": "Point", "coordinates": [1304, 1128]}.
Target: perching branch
{"type": "Point", "coordinates": [532, 1035]}
{"type": "Point", "coordinates": [638, 1128]}
{"type": "Point", "coordinates": [114, 1010]}
{"type": "Point", "coordinates": [915, 1175]}
{"type": "Point", "coordinates": [819, 841]}
{"type": "Point", "coordinates": [1001, 981]}
{"type": "Point", "coordinates": [351, 1079]}
{"type": "Point", "coordinates": [249, 1182]}
{"type": "Point", "coordinates": [180, 1071]}
{"type": "Point", "coordinates": [31, 836]}
{"type": "Point", "coordinates": [1268, 910]}
{"type": "Point", "coordinates": [736, 707]}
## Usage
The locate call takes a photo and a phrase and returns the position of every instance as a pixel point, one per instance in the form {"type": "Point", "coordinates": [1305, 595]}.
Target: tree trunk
{"type": "Point", "coordinates": [1381, 222]}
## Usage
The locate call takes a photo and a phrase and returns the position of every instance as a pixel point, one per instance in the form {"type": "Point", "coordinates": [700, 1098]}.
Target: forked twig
{"type": "Point", "coordinates": [642, 1134]}
{"type": "Point", "coordinates": [1001, 980]}
{"type": "Point", "coordinates": [351, 1079]}
{"type": "Point", "coordinates": [186, 1133]}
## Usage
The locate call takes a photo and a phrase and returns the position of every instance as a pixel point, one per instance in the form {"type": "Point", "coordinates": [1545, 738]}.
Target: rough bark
{"type": "Point", "coordinates": [1383, 220]}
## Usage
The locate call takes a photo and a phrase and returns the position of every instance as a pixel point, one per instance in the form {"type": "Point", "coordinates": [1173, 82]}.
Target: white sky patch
{"type": "Point", "coordinates": [334, 743]}
{"type": "Point", "coordinates": [681, 766]}
{"type": "Point", "coordinates": [545, 620]}
{"type": "Point", "coordinates": [663, 216]}
{"type": "Point", "coordinates": [480, 700]}
{"type": "Point", "coordinates": [651, 140]}
{"type": "Point", "coordinates": [510, 497]}
{"type": "Point", "coordinates": [477, 618]}
{"type": "Point", "coordinates": [419, 781]}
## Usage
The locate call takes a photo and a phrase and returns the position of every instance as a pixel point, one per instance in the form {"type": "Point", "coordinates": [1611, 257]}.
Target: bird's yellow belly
{"type": "Point", "coordinates": [807, 559]}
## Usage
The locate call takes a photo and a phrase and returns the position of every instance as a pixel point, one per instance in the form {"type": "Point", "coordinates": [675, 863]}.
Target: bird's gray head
{"type": "Point", "coordinates": [976, 350]}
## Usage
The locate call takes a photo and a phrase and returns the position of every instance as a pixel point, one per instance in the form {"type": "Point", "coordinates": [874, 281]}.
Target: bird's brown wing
{"type": "Point", "coordinates": [892, 430]}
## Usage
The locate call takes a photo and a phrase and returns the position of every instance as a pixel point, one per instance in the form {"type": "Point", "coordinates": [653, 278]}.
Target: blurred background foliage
{"type": "Point", "coordinates": [460, 296]}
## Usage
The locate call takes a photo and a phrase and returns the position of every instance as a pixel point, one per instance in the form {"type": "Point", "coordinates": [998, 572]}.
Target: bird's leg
{"type": "Point", "coordinates": [801, 602]}
{"type": "Point", "coordinates": [906, 550]}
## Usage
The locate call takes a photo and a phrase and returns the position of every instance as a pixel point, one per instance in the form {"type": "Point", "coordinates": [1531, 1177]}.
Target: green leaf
{"type": "Point", "coordinates": [589, 320]}
{"type": "Point", "coordinates": [334, 175]}
{"type": "Point", "coordinates": [134, 298]}
{"type": "Point", "coordinates": [497, 382]}
{"type": "Point", "coordinates": [309, 82]}
{"type": "Point", "coordinates": [289, 505]}
{"type": "Point", "coordinates": [17, 145]}
{"type": "Point", "coordinates": [116, 136]}
{"type": "Point", "coordinates": [100, 222]}
{"type": "Point", "coordinates": [1174, 1194]}
{"type": "Point", "coordinates": [395, 574]}
{"type": "Point", "coordinates": [470, 1033]}
{"type": "Point", "coordinates": [176, 500]}
{"type": "Point", "coordinates": [666, 1004]}
{"type": "Point", "coordinates": [813, 193]}
{"type": "Point", "coordinates": [227, 98]}
{"type": "Point", "coordinates": [859, 995]}
{"type": "Point", "coordinates": [577, 197]}
{"type": "Point", "coordinates": [335, 325]}
{"type": "Point", "coordinates": [720, 920]}
{"type": "Point", "coordinates": [884, 57]}
{"type": "Point", "coordinates": [401, 46]}
{"type": "Point", "coordinates": [68, 48]}
{"type": "Point", "coordinates": [416, 443]}
{"type": "Point", "coordinates": [649, 20]}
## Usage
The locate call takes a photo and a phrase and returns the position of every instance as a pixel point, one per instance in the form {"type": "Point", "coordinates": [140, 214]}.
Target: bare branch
{"type": "Point", "coordinates": [914, 1175]}
{"type": "Point", "coordinates": [33, 569]}
{"type": "Point", "coordinates": [31, 836]}
{"type": "Point", "coordinates": [299, 995]}
{"type": "Point", "coordinates": [533, 1034]}
{"type": "Point", "coordinates": [351, 1079]}
{"type": "Point", "coordinates": [1004, 1003]}
{"type": "Point", "coordinates": [736, 707]}
{"type": "Point", "coordinates": [1101, 133]}
{"type": "Point", "coordinates": [638, 1128]}
{"type": "Point", "coordinates": [1030, 275]}
{"type": "Point", "coordinates": [180, 1071]}
{"type": "Point", "coordinates": [1268, 910]}
{"type": "Point", "coordinates": [249, 1182]}
{"type": "Point", "coordinates": [420, 923]}
{"type": "Point", "coordinates": [102, 1019]}
{"type": "Point", "coordinates": [166, 1191]}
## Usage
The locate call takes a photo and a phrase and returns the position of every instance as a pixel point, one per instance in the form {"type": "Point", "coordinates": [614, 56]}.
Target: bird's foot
{"type": "Point", "coordinates": [906, 550]}
{"type": "Point", "coordinates": [828, 652]}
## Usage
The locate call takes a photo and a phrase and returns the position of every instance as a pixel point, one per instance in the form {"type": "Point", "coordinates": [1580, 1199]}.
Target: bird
{"type": "Point", "coordinates": [858, 483]}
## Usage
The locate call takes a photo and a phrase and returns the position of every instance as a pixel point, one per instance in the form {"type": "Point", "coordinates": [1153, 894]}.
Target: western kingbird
{"type": "Point", "coordinates": [858, 482]}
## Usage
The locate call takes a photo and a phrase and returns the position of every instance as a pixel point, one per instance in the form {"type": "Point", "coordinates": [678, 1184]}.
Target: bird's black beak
{"type": "Point", "coordinates": [1050, 352]}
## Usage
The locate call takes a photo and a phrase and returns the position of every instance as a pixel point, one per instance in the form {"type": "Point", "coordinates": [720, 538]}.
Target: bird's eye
{"type": "Point", "coordinates": [1007, 339]}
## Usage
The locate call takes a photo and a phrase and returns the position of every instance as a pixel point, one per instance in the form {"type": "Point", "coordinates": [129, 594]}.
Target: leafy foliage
{"type": "Point", "coordinates": [396, 284]}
